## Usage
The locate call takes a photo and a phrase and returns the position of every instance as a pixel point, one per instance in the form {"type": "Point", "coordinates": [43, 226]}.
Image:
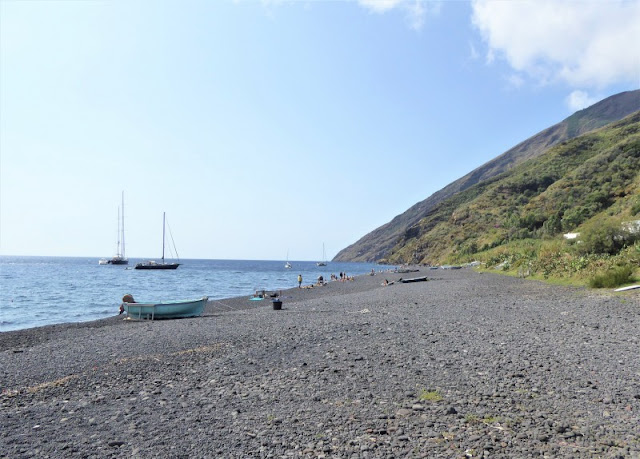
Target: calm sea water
{"type": "Point", "coordinates": [36, 291]}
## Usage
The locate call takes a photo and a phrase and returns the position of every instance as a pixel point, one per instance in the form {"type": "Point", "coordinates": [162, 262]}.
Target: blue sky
{"type": "Point", "coordinates": [267, 127]}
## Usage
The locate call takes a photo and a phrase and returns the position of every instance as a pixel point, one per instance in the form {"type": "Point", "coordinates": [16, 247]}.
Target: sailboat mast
{"type": "Point", "coordinates": [118, 243]}
{"type": "Point", "coordinates": [163, 217]}
{"type": "Point", "coordinates": [122, 229]}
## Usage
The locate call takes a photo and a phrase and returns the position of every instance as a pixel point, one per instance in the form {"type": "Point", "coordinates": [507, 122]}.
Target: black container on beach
{"type": "Point", "coordinates": [277, 304]}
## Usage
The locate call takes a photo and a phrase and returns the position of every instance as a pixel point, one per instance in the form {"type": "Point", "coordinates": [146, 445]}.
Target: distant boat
{"type": "Point", "coordinates": [166, 310]}
{"type": "Point", "coordinates": [287, 265]}
{"type": "Point", "coordinates": [119, 258]}
{"type": "Point", "coordinates": [324, 258]}
{"type": "Point", "coordinates": [152, 264]}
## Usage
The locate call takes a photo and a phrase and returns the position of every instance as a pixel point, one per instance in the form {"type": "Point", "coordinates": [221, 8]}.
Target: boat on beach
{"type": "Point", "coordinates": [414, 279]}
{"type": "Point", "coordinates": [119, 258]}
{"type": "Point", "coordinates": [166, 309]}
{"type": "Point", "coordinates": [152, 264]}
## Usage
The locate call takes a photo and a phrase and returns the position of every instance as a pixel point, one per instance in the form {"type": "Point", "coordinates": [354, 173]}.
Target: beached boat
{"type": "Point", "coordinates": [119, 258]}
{"type": "Point", "coordinates": [166, 309]}
{"type": "Point", "coordinates": [324, 258]}
{"type": "Point", "coordinates": [152, 264]}
{"type": "Point", "coordinates": [414, 279]}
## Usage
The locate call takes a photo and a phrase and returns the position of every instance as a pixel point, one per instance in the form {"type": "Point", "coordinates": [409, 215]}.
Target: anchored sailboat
{"type": "Point", "coordinates": [154, 264]}
{"type": "Point", "coordinates": [119, 258]}
{"type": "Point", "coordinates": [324, 258]}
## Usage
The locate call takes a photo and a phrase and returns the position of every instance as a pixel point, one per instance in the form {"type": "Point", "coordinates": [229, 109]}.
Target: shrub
{"type": "Point", "coordinates": [574, 217]}
{"type": "Point", "coordinates": [604, 238]}
{"type": "Point", "coordinates": [612, 278]}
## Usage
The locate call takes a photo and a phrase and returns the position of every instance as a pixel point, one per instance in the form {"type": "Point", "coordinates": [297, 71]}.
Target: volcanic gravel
{"type": "Point", "coordinates": [463, 365]}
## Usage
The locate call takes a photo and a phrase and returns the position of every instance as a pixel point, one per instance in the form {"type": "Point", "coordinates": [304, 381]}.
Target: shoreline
{"type": "Point", "coordinates": [465, 363]}
{"type": "Point", "coordinates": [98, 290]}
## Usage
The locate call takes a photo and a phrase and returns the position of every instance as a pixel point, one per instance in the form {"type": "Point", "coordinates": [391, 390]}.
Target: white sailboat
{"type": "Point", "coordinates": [287, 265]}
{"type": "Point", "coordinates": [324, 258]}
{"type": "Point", "coordinates": [119, 258]}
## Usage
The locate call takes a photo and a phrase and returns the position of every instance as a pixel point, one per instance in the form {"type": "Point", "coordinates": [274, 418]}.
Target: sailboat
{"type": "Point", "coordinates": [287, 265]}
{"type": "Point", "coordinates": [324, 258]}
{"type": "Point", "coordinates": [119, 258]}
{"type": "Point", "coordinates": [152, 264]}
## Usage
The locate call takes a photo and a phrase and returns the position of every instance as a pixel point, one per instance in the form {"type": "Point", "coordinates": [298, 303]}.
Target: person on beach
{"type": "Point", "coordinates": [128, 298]}
{"type": "Point", "coordinates": [299, 280]}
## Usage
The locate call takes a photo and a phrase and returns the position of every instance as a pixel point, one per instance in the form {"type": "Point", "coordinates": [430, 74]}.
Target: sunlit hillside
{"type": "Point", "coordinates": [589, 185]}
{"type": "Point", "coordinates": [378, 243]}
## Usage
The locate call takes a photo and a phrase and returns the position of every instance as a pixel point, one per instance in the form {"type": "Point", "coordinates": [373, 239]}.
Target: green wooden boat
{"type": "Point", "coordinates": [166, 310]}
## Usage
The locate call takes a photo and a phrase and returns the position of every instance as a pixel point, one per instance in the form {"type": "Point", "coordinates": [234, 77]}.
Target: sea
{"type": "Point", "coordinates": [38, 291]}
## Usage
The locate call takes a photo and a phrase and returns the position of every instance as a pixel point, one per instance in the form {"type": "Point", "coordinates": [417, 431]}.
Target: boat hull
{"type": "Point", "coordinates": [166, 310]}
{"type": "Point", "coordinates": [157, 266]}
{"type": "Point", "coordinates": [118, 261]}
{"type": "Point", "coordinates": [414, 279]}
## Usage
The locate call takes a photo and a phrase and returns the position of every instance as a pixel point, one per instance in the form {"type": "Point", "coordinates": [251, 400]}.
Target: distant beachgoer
{"type": "Point", "coordinates": [299, 280]}
{"type": "Point", "coordinates": [128, 298]}
{"type": "Point", "coordinates": [320, 280]}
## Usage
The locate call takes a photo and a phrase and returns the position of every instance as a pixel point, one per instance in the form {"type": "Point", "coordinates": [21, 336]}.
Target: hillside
{"type": "Point", "coordinates": [581, 185]}
{"type": "Point", "coordinates": [377, 244]}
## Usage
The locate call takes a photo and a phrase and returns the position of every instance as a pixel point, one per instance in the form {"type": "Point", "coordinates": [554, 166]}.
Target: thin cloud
{"type": "Point", "coordinates": [578, 100]}
{"type": "Point", "coordinates": [588, 44]}
{"type": "Point", "coordinates": [473, 52]}
{"type": "Point", "coordinates": [380, 6]}
{"type": "Point", "coordinates": [416, 10]}
{"type": "Point", "coordinates": [515, 80]}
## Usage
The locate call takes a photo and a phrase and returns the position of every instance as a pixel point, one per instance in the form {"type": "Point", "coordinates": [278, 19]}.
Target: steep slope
{"type": "Point", "coordinates": [376, 245]}
{"type": "Point", "coordinates": [594, 176]}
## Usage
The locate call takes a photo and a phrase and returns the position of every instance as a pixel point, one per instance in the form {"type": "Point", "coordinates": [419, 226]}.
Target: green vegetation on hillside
{"type": "Point", "coordinates": [378, 243]}
{"type": "Point", "coordinates": [589, 185]}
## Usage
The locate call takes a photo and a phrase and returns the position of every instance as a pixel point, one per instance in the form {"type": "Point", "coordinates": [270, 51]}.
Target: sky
{"type": "Point", "coordinates": [267, 129]}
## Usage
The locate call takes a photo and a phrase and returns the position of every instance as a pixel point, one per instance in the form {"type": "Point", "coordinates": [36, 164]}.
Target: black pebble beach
{"type": "Point", "coordinates": [462, 365]}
